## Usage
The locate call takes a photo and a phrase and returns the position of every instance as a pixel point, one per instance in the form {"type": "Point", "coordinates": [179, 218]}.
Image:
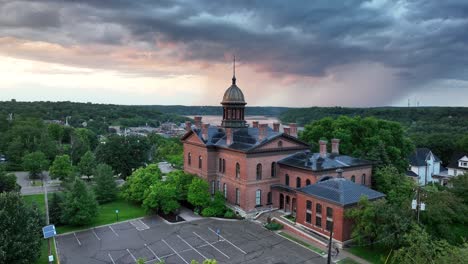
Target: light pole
{"type": "Point", "coordinates": [117, 214]}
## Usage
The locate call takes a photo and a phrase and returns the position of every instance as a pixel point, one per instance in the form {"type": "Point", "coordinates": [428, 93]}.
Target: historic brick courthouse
{"type": "Point", "coordinates": [258, 167]}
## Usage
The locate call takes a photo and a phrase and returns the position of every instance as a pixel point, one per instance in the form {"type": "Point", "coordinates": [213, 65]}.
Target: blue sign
{"type": "Point", "coordinates": [218, 231]}
{"type": "Point", "coordinates": [49, 231]}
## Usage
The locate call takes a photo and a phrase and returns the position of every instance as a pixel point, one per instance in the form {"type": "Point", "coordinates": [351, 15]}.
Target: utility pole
{"type": "Point", "coordinates": [330, 245]}
{"type": "Point", "coordinates": [417, 204]}
{"type": "Point", "coordinates": [44, 185]}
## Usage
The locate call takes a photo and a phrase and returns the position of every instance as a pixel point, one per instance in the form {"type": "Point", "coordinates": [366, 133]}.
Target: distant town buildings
{"type": "Point", "coordinates": [424, 166]}
{"type": "Point", "coordinates": [167, 129]}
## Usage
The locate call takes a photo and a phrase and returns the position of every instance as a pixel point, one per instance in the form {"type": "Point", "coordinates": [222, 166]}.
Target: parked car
{"type": "Point", "coordinates": [2, 158]}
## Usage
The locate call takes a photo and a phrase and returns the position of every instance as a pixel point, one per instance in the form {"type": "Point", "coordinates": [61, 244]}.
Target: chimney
{"type": "Point", "coordinates": [276, 127]}
{"type": "Point", "coordinates": [198, 121]}
{"type": "Point", "coordinates": [323, 148]}
{"type": "Point", "coordinates": [262, 132]}
{"type": "Point", "coordinates": [255, 124]}
{"type": "Point", "coordinates": [335, 146]}
{"type": "Point", "coordinates": [205, 131]}
{"type": "Point", "coordinates": [287, 130]}
{"type": "Point", "coordinates": [228, 136]}
{"type": "Point", "coordinates": [293, 127]}
{"type": "Point", "coordinates": [188, 126]}
{"type": "Point", "coordinates": [339, 172]}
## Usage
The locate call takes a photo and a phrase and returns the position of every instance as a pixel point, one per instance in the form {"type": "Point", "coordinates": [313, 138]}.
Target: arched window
{"type": "Point", "coordinates": [225, 190]}
{"type": "Point", "coordinates": [298, 182]}
{"type": "Point", "coordinates": [269, 198]}
{"type": "Point", "coordinates": [220, 165]}
{"type": "Point", "coordinates": [286, 179]}
{"type": "Point", "coordinates": [259, 172]}
{"type": "Point", "coordinates": [307, 182]}
{"type": "Point", "coordinates": [237, 196]}
{"type": "Point", "coordinates": [237, 170]}
{"type": "Point", "coordinates": [200, 162]}
{"type": "Point", "coordinates": [353, 178]}
{"type": "Point", "coordinates": [189, 159]}
{"type": "Point", "coordinates": [273, 169]}
{"type": "Point", "coordinates": [224, 165]}
{"type": "Point", "coordinates": [258, 197]}
{"type": "Point", "coordinates": [280, 144]}
{"type": "Point", "coordinates": [363, 179]}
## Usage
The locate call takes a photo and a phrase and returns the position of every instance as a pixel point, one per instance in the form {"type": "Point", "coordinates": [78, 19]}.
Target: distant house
{"type": "Point", "coordinates": [423, 166]}
{"type": "Point", "coordinates": [458, 164]}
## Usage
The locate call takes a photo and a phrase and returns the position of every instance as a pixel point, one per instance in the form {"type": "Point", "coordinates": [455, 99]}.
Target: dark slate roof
{"type": "Point", "coordinates": [454, 160]}
{"type": "Point", "coordinates": [419, 156]}
{"type": "Point", "coordinates": [244, 139]}
{"type": "Point", "coordinates": [313, 161]}
{"type": "Point", "coordinates": [411, 173]}
{"type": "Point", "coordinates": [340, 191]}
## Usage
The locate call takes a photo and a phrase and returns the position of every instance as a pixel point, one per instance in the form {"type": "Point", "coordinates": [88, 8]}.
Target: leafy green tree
{"type": "Point", "coordinates": [35, 163]}
{"type": "Point", "coordinates": [87, 164]}
{"type": "Point", "coordinates": [161, 196]}
{"type": "Point", "coordinates": [217, 206]}
{"type": "Point", "coordinates": [366, 225]}
{"type": "Point", "coordinates": [57, 132]}
{"type": "Point", "coordinates": [15, 151]}
{"type": "Point", "coordinates": [61, 168]}
{"type": "Point", "coordinates": [21, 235]}
{"type": "Point", "coordinates": [81, 141]}
{"type": "Point", "coordinates": [396, 185]}
{"type": "Point", "coordinates": [462, 143]}
{"type": "Point", "coordinates": [80, 206]}
{"type": "Point", "coordinates": [123, 154]}
{"type": "Point", "coordinates": [106, 188]}
{"type": "Point", "coordinates": [460, 187]}
{"type": "Point", "coordinates": [140, 181]}
{"type": "Point", "coordinates": [181, 180]}
{"type": "Point", "coordinates": [199, 193]}
{"type": "Point", "coordinates": [369, 138]}
{"type": "Point", "coordinates": [8, 182]}
{"type": "Point", "coordinates": [56, 208]}
{"type": "Point", "coordinates": [452, 254]}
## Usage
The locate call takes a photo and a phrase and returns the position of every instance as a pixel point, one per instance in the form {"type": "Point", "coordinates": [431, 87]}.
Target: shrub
{"type": "Point", "coordinates": [229, 214]}
{"type": "Point", "coordinates": [209, 212]}
{"type": "Point", "coordinates": [274, 226]}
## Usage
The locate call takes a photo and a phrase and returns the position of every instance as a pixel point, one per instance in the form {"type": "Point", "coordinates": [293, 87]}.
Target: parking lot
{"type": "Point", "coordinates": [155, 240]}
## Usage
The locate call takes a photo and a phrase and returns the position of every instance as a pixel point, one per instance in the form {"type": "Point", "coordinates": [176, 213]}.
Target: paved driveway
{"type": "Point", "coordinates": [153, 239]}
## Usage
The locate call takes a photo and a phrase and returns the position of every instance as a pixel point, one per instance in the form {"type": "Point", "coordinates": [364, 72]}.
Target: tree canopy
{"type": "Point", "coordinates": [35, 163]}
{"type": "Point", "coordinates": [8, 182]}
{"type": "Point", "coordinates": [199, 193]}
{"type": "Point", "coordinates": [139, 182]}
{"type": "Point", "coordinates": [106, 188]}
{"type": "Point", "coordinates": [80, 206]}
{"type": "Point", "coordinates": [381, 141]}
{"type": "Point", "coordinates": [21, 230]}
{"type": "Point", "coordinates": [61, 168]}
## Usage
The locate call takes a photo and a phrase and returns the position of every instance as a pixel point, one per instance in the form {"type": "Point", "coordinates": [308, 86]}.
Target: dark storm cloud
{"type": "Point", "coordinates": [423, 40]}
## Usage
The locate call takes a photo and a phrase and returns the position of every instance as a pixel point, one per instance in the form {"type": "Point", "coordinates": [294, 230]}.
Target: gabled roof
{"type": "Point", "coordinates": [420, 155]}
{"type": "Point", "coordinates": [313, 161]}
{"type": "Point", "coordinates": [340, 191]}
{"type": "Point", "coordinates": [411, 173]}
{"type": "Point", "coordinates": [244, 139]}
{"type": "Point", "coordinates": [455, 158]}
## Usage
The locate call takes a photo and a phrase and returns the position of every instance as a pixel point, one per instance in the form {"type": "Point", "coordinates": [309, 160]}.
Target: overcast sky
{"type": "Point", "coordinates": [290, 53]}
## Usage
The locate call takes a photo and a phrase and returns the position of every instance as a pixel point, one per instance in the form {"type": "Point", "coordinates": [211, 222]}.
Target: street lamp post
{"type": "Point", "coordinates": [117, 214]}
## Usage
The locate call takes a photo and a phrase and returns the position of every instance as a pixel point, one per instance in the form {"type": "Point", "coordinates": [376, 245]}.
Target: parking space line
{"type": "Point", "coordinates": [113, 230]}
{"type": "Point", "coordinates": [111, 258]}
{"type": "Point", "coordinates": [144, 225]}
{"type": "Point", "coordinates": [79, 243]}
{"type": "Point", "coordinates": [133, 257]}
{"type": "Point", "coordinates": [192, 247]}
{"type": "Point", "coordinates": [211, 245]}
{"type": "Point", "coordinates": [227, 241]}
{"type": "Point", "coordinates": [94, 232]}
{"type": "Point", "coordinates": [152, 252]}
{"type": "Point", "coordinates": [164, 241]}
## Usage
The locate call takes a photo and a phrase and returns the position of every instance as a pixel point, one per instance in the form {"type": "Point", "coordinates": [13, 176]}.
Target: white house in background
{"type": "Point", "coordinates": [458, 164]}
{"type": "Point", "coordinates": [423, 165]}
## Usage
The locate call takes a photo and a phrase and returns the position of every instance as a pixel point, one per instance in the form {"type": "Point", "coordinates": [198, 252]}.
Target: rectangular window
{"type": "Point", "coordinates": [318, 221]}
{"type": "Point", "coordinates": [308, 218]}
{"type": "Point", "coordinates": [309, 205]}
{"type": "Point", "coordinates": [258, 198]}
{"type": "Point", "coordinates": [329, 212]}
{"type": "Point", "coordinates": [329, 225]}
{"type": "Point", "coordinates": [237, 196]}
{"type": "Point", "coordinates": [318, 209]}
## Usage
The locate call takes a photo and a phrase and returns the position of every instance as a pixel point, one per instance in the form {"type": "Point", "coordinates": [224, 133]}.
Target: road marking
{"type": "Point", "coordinates": [174, 251]}
{"type": "Point", "coordinates": [113, 230]}
{"type": "Point", "coordinates": [94, 232]}
{"type": "Point", "coordinates": [144, 225]}
{"type": "Point", "coordinates": [192, 247]}
{"type": "Point", "coordinates": [153, 252]}
{"type": "Point", "coordinates": [227, 241]}
{"type": "Point", "coordinates": [133, 257]}
{"type": "Point", "coordinates": [208, 243]}
{"type": "Point", "coordinates": [139, 225]}
{"type": "Point", "coordinates": [79, 243]}
{"type": "Point", "coordinates": [111, 258]}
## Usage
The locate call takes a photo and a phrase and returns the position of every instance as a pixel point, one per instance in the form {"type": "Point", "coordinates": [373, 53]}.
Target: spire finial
{"type": "Point", "coordinates": [234, 70]}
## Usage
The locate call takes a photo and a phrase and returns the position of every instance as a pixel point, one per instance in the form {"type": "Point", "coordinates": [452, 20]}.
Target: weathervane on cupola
{"type": "Point", "coordinates": [233, 104]}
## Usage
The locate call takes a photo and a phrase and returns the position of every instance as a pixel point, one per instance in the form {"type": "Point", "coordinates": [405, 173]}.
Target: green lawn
{"type": "Point", "coordinates": [44, 259]}
{"type": "Point", "coordinates": [375, 255]}
{"type": "Point", "coordinates": [299, 241]}
{"type": "Point", "coordinates": [36, 198]}
{"type": "Point", "coordinates": [347, 261]}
